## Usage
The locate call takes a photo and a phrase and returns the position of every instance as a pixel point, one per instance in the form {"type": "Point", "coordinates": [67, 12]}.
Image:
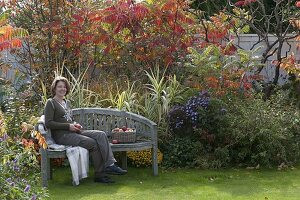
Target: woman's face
{"type": "Point", "coordinates": [60, 89]}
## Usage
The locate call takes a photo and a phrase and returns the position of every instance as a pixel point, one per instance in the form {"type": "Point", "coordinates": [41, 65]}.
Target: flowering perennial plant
{"type": "Point", "coordinates": [201, 100]}
{"type": "Point", "coordinates": [181, 117]}
{"type": "Point", "coordinates": [19, 169]}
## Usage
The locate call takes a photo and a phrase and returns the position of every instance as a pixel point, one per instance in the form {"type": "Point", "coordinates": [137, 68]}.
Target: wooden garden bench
{"type": "Point", "coordinates": [106, 119]}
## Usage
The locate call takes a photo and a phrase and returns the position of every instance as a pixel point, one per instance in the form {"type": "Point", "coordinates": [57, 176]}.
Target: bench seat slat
{"type": "Point", "coordinates": [138, 146]}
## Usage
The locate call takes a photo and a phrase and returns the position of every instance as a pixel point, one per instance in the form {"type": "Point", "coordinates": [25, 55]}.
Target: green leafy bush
{"type": "Point", "coordinates": [180, 152]}
{"type": "Point", "coordinates": [203, 120]}
{"type": "Point", "coordinates": [20, 103]}
{"type": "Point", "coordinates": [212, 122]}
{"type": "Point", "coordinates": [218, 157]}
{"type": "Point", "coordinates": [264, 132]}
{"type": "Point", "coordinates": [240, 132]}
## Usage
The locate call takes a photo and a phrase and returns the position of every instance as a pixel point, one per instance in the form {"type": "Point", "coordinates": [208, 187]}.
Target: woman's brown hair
{"type": "Point", "coordinates": [56, 80]}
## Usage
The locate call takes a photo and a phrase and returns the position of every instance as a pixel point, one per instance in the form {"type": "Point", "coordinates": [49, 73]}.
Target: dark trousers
{"type": "Point", "coordinates": [98, 145]}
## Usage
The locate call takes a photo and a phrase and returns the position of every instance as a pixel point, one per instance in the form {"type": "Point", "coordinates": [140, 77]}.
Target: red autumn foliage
{"type": "Point", "coordinates": [239, 3]}
{"type": "Point", "coordinates": [247, 2]}
{"type": "Point", "coordinates": [217, 31]}
{"type": "Point", "coordinates": [8, 38]}
{"type": "Point", "coordinates": [233, 82]}
{"type": "Point", "coordinates": [244, 3]}
{"type": "Point", "coordinates": [125, 28]}
{"type": "Point", "coordinates": [229, 49]}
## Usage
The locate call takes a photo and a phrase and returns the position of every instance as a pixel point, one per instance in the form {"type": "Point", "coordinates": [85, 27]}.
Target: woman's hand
{"type": "Point", "coordinates": [77, 125]}
{"type": "Point", "coordinates": [74, 128]}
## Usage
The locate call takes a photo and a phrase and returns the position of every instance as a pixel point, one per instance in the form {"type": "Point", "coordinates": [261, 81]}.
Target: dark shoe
{"type": "Point", "coordinates": [115, 170]}
{"type": "Point", "coordinates": [104, 179]}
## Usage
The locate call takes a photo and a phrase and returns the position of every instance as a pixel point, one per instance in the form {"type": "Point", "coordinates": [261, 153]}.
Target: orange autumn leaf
{"type": "Point", "coordinates": [41, 139]}
{"type": "Point", "coordinates": [212, 82]}
{"type": "Point", "coordinates": [27, 143]}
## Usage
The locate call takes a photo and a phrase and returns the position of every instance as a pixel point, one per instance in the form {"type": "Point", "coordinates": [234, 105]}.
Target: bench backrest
{"type": "Point", "coordinates": [106, 119]}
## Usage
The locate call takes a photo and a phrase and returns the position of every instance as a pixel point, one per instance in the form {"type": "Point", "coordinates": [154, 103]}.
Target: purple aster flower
{"type": "Point", "coordinates": [5, 136]}
{"type": "Point", "coordinates": [33, 197]}
{"type": "Point", "coordinates": [16, 168]}
{"type": "Point", "coordinates": [27, 188]}
{"type": "Point", "coordinates": [24, 180]}
{"type": "Point", "coordinates": [204, 93]}
{"type": "Point", "coordinates": [223, 111]}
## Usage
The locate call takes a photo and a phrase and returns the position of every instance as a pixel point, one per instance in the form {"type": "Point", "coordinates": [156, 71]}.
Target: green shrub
{"type": "Point", "coordinates": [264, 132]}
{"type": "Point", "coordinates": [19, 104]}
{"type": "Point", "coordinates": [240, 132]}
{"type": "Point", "coordinates": [216, 158]}
{"type": "Point", "coordinates": [212, 123]}
{"type": "Point", "coordinates": [202, 120]}
{"type": "Point", "coordinates": [180, 152]}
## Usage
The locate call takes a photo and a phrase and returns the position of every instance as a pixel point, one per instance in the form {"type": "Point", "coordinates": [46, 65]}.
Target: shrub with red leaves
{"type": "Point", "coordinates": [244, 3]}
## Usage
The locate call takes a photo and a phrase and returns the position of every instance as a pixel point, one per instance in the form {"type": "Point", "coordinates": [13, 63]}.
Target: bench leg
{"type": "Point", "coordinates": [44, 167]}
{"type": "Point", "coordinates": [154, 162]}
{"type": "Point", "coordinates": [124, 159]}
{"type": "Point", "coordinates": [50, 171]}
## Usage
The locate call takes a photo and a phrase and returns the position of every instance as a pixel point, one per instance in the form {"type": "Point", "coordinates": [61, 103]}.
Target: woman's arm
{"type": "Point", "coordinates": [49, 118]}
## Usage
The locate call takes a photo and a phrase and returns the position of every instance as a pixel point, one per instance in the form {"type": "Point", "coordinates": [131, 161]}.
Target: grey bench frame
{"type": "Point", "coordinates": [105, 119]}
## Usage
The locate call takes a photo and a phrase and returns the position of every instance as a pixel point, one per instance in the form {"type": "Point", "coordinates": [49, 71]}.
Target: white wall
{"type": "Point", "coordinates": [248, 41]}
{"type": "Point", "coordinates": [8, 59]}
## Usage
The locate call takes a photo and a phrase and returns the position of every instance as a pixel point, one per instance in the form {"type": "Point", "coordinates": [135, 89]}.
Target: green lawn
{"type": "Point", "coordinates": [180, 184]}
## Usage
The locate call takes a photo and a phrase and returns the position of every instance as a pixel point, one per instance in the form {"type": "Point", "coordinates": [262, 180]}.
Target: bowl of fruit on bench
{"type": "Point", "coordinates": [123, 135]}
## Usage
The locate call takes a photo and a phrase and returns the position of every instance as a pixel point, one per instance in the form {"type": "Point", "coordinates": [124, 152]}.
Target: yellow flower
{"type": "Point", "coordinates": [143, 158]}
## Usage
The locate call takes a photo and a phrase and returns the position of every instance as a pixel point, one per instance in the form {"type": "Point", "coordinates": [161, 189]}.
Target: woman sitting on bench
{"type": "Point", "coordinates": [65, 131]}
